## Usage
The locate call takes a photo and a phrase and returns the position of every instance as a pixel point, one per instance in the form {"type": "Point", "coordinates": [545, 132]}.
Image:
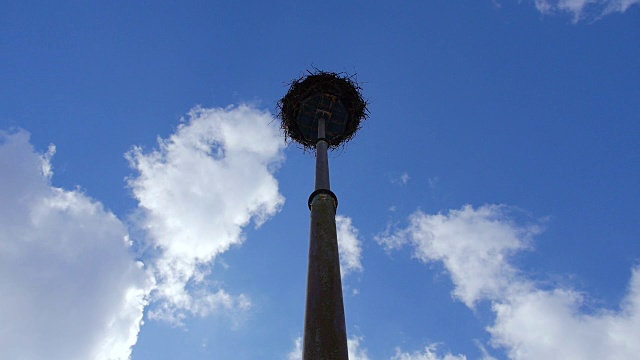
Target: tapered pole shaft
{"type": "Point", "coordinates": [325, 335]}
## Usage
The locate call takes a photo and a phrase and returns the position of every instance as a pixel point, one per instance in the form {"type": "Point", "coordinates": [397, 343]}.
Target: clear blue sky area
{"type": "Point", "coordinates": [488, 206]}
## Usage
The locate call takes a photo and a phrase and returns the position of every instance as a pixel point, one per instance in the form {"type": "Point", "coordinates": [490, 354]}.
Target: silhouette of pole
{"type": "Point", "coordinates": [321, 111]}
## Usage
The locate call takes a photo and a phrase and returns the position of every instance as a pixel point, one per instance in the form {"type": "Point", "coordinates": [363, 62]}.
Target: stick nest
{"type": "Point", "coordinates": [341, 85]}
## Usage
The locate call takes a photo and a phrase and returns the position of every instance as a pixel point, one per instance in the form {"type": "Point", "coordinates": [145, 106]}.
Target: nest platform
{"type": "Point", "coordinates": [334, 97]}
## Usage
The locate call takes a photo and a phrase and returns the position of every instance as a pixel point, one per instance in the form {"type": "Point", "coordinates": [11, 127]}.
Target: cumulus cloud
{"type": "Point", "coordinates": [475, 246]}
{"type": "Point", "coordinates": [546, 324]}
{"type": "Point", "coordinates": [70, 287]}
{"type": "Point", "coordinates": [581, 9]}
{"type": "Point", "coordinates": [353, 348]}
{"type": "Point", "coordinates": [196, 193]}
{"type": "Point", "coordinates": [349, 246]}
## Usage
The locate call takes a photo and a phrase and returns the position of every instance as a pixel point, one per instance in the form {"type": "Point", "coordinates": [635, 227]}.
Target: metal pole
{"type": "Point", "coordinates": [325, 335]}
{"type": "Point", "coordinates": [322, 161]}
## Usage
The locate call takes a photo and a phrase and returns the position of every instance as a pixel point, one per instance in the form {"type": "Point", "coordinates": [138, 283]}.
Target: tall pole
{"type": "Point", "coordinates": [321, 111]}
{"type": "Point", "coordinates": [325, 335]}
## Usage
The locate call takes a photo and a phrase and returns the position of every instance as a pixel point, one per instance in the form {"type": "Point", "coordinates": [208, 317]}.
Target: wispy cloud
{"type": "Point", "coordinates": [70, 287]}
{"type": "Point", "coordinates": [430, 353]}
{"type": "Point", "coordinates": [403, 179]}
{"type": "Point", "coordinates": [584, 9]}
{"type": "Point", "coordinates": [196, 193]}
{"type": "Point", "coordinates": [475, 246]}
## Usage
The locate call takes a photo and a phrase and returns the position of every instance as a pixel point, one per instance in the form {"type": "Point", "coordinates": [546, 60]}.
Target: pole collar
{"type": "Point", "coordinates": [322, 191]}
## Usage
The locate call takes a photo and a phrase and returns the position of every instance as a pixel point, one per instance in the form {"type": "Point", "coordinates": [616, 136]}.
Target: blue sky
{"type": "Point", "coordinates": [488, 207]}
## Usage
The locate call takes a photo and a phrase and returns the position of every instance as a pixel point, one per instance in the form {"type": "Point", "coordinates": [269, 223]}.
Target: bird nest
{"type": "Point", "coordinates": [339, 85]}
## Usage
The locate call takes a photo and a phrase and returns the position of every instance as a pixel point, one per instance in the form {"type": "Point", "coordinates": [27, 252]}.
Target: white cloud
{"type": "Point", "coordinates": [429, 353]}
{"type": "Point", "coordinates": [196, 192]}
{"type": "Point", "coordinates": [404, 178]}
{"type": "Point", "coordinates": [296, 353]}
{"type": "Point", "coordinates": [70, 287]}
{"type": "Point", "coordinates": [433, 182]}
{"type": "Point", "coordinates": [355, 352]}
{"type": "Point", "coordinates": [349, 246]}
{"type": "Point", "coordinates": [353, 346]}
{"type": "Point", "coordinates": [549, 324]}
{"type": "Point", "coordinates": [581, 9]}
{"type": "Point", "coordinates": [475, 246]}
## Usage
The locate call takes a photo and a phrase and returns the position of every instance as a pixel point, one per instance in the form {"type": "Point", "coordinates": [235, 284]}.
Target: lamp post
{"type": "Point", "coordinates": [321, 111]}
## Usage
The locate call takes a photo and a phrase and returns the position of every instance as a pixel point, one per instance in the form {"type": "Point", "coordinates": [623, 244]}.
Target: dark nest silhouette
{"type": "Point", "coordinates": [341, 87]}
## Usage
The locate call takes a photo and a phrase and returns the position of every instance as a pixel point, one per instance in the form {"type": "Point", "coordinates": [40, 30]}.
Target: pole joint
{"type": "Point", "coordinates": [325, 192]}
